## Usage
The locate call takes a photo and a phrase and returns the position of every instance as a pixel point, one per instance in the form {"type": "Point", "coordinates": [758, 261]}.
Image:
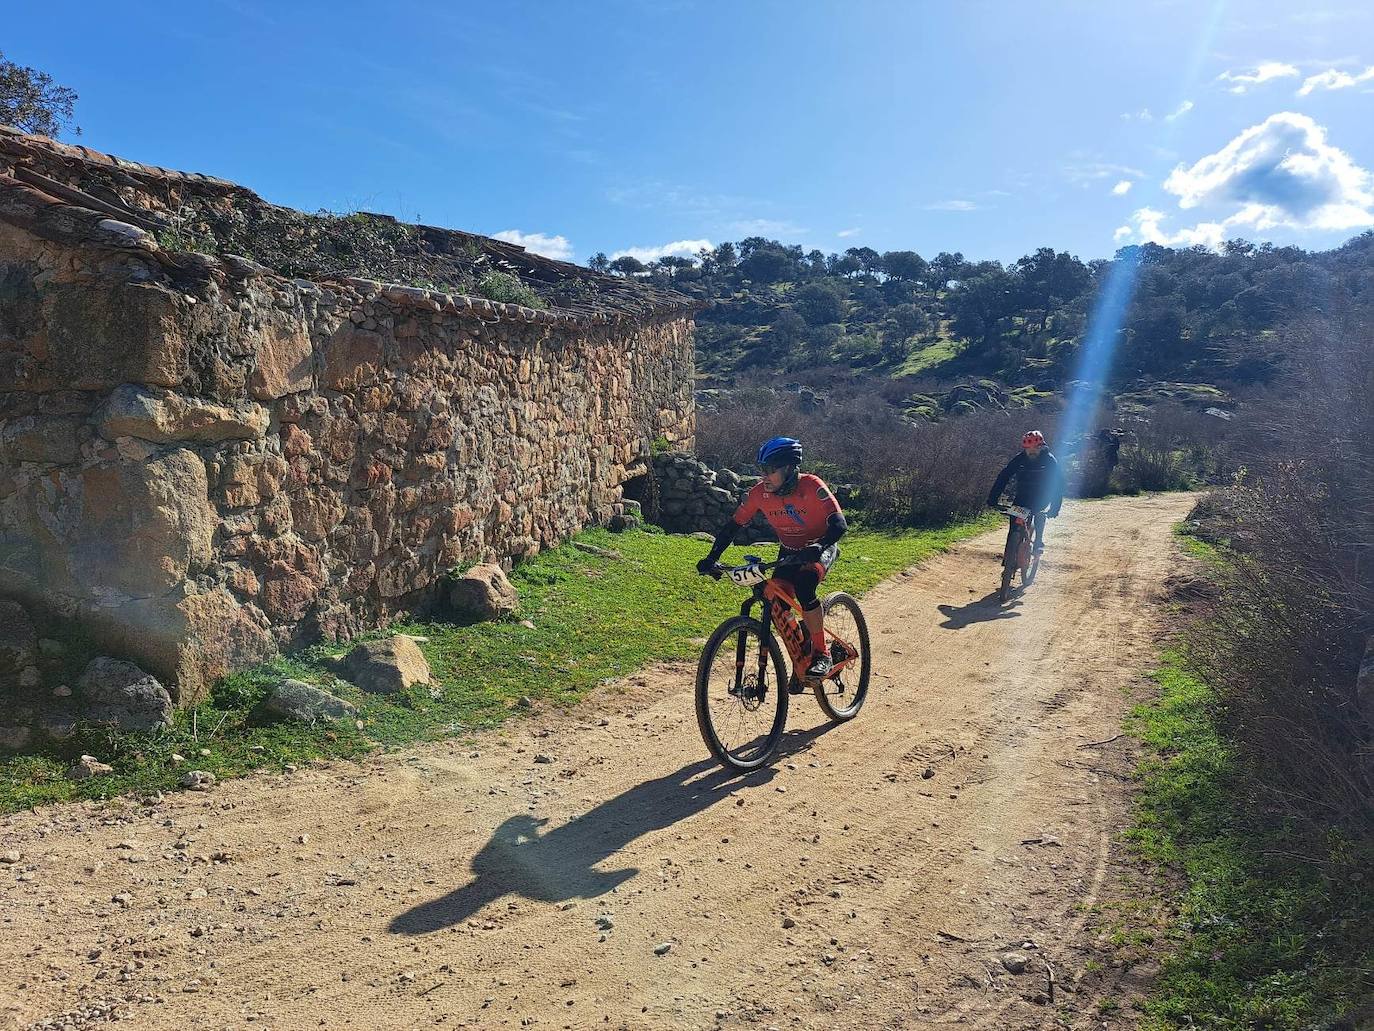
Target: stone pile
{"type": "Point", "coordinates": [693, 496]}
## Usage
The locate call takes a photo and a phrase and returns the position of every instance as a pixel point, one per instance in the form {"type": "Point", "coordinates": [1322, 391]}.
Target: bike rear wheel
{"type": "Point", "coordinates": [741, 697]}
{"type": "Point", "coordinates": [842, 695]}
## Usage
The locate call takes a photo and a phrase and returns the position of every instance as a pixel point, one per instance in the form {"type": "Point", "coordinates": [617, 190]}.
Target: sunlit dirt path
{"type": "Point", "coordinates": [479, 885]}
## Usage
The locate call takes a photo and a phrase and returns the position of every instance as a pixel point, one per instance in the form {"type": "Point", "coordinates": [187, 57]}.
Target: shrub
{"type": "Point", "coordinates": [906, 474]}
{"type": "Point", "coordinates": [502, 286]}
{"type": "Point", "coordinates": [1297, 607]}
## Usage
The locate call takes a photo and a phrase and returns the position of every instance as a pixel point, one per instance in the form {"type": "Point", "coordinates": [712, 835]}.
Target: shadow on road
{"type": "Point", "coordinates": [559, 865]}
{"type": "Point", "coordinates": [984, 610]}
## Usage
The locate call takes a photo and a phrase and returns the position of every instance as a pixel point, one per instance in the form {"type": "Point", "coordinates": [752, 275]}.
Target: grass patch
{"type": "Point", "coordinates": [595, 618]}
{"type": "Point", "coordinates": [1271, 931]}
{"type": "Point", "coordinates": [922, 360]}
{"type": "Point", "coordinates": [1195, 547]}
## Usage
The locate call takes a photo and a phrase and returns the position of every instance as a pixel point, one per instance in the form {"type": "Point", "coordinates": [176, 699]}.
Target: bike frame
{"type": "Point", "coordinates": [782, 611]}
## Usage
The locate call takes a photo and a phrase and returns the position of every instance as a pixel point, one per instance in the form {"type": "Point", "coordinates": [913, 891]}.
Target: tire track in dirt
{"type": "Point", "coordinates": [462, 884]}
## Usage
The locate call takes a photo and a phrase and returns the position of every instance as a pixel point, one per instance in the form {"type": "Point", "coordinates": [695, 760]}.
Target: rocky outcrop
{"type": "Point", "coordinates": [18, 641]}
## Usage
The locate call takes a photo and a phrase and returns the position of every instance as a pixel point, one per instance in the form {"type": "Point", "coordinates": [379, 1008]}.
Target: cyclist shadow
{"type": "Point", "coordinates": [519, 859]}
{"type": "Point", "coordinates": [984, 610]}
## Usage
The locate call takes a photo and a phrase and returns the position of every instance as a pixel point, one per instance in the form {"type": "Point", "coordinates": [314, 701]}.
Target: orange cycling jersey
{"type": "Point", "coordinates": [800, 517]}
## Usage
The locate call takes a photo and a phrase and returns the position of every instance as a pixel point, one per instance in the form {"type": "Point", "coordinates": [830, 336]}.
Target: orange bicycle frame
{"type": "Point", "coordinates": [785, 610]}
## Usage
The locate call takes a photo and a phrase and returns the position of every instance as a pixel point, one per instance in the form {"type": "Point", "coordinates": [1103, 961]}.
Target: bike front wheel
{"type": "Point", "coordinates": [1009, 562]}
{"type": "Point", "coordinates": [842, 694]}
{"type": "Point", "coordinates": [741, 696]}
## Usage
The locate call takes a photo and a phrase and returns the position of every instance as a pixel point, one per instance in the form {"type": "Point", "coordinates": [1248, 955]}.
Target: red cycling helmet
{"type": "Point", "coordinates": [1033, 438]}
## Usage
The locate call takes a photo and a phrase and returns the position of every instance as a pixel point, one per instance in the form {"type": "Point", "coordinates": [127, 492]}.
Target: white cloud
{"type": "Point", "coordinates": [556, 247]}
{"type": "Point", "coordinates": [952, 205]}
{"type": "Point", "coordinates": [1266, 72]}
{"type": "Point", "coordinates": [1090, 173]}
{"type": "Point", "coordinates": [1149, 228]}
{"type": "Point", "coordinates": [1146, 115]}
{"type": "Point", "coordinates": [1332, 79]}
{"type": "Point", "coordinates": [1122, 188]}
{"type": "Point", "coordinates": [849, 232]}
{"type": "Point", "coordinates": [1281, 172]}
{"type": "Point", "coordinates": [678, 248]}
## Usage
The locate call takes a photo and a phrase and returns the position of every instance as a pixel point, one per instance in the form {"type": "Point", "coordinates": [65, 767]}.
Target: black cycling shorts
{"type": "Point", "coordinates": [806, 578]}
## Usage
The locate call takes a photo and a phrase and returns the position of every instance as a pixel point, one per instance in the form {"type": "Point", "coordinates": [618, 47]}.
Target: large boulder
{"type": "Point", "coordinates": [136, 528]}
{"type": "Point", "coordinates": [386, 667]}
{"type": "Point", "coordinates": [294, 700]}
{"type": "Point", "coordinates": [119, 692]}
{"type": "Point", "coordinates": [483, 593]}
{"type": "Point", "coordinates": [18, 640]}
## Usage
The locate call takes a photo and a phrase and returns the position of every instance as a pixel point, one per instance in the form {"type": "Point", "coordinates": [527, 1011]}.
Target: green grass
{"type": "Point", "coordinates": [1197, 548]}
{"type": "Point", "coordinates": [1266, 935]}
{"type": "Point", "coordinates": [594, 619]}
{"type": "Point", "coordinates": [926, 359]}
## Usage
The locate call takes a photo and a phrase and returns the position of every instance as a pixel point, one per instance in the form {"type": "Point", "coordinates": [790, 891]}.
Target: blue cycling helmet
{"type": "Point", "coordinates": [780, 451]}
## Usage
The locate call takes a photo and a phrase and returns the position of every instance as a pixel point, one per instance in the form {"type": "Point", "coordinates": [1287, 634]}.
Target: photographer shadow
{"type": "Point", "coordinates": [520, 859]}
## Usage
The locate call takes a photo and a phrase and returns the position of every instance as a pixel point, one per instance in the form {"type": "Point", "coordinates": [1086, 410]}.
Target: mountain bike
{"type": "Point", "coordinates": [743, 683]}
{"type": "Point", "coordinates": [1020, 553]}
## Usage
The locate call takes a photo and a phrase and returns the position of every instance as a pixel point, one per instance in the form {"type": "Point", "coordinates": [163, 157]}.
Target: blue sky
{"type": "Point", "coordinates": [988, 128]}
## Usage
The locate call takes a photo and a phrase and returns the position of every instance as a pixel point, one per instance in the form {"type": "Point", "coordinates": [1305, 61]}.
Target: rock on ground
{"type": "Point", "coordinates": [89, 766]}
{"type": "Point", "coordinates": [119, 692]}
{"type": "Point", "coordinates": [294, 700]}
{"type": "Point", "coordinates": [483, 593]}
{"type": "Point", "coordinates": [386, 667]}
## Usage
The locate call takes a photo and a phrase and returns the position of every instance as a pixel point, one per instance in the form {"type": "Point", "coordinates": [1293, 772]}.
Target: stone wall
{"type": "Point", "coordinates": [202, 461]}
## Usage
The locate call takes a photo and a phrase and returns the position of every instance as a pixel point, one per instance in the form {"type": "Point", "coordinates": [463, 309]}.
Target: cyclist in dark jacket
{"type": "Point", "coordinates": [1039, 485]}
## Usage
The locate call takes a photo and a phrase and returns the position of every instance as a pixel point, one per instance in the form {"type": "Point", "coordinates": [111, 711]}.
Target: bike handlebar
{"type": "Point", "coordinates": [717, 571]}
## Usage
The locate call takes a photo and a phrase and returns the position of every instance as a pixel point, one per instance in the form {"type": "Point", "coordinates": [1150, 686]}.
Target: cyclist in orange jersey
{"type": "Point", "coordinates": [809, 523]}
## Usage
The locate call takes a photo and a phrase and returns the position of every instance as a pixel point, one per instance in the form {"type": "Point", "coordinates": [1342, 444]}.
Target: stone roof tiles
{"type": "Point", "coordinates": [103, 200]}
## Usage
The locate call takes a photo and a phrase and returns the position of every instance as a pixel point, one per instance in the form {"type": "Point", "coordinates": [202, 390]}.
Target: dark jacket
{"type": "Point", "coordinates": [1038, 483]}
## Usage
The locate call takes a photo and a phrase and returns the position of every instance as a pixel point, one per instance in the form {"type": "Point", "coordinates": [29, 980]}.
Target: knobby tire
{"type": "Point", "coordinates": [725, 637]}
{"type": "Point", "coordinates": [856, 688]}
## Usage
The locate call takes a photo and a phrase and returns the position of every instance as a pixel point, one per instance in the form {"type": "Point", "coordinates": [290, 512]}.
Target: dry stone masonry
{"type": "Point", "coordinates": [202, 460]}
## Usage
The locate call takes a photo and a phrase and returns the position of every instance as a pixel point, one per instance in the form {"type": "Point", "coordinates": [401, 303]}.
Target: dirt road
{"type": "Point", "coordinates": [533, 877]}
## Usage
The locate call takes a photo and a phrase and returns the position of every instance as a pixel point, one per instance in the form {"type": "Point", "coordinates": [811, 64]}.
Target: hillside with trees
{"type": "Point", "coordinates": [1195, 316]}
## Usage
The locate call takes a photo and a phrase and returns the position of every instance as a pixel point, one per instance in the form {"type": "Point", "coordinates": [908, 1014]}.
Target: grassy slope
{"type": "Point", "coordinates": [594, 618]}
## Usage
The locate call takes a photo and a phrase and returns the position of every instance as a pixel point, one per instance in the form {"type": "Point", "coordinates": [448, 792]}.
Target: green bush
{"type": "Point", "coordinates": [502, 286]}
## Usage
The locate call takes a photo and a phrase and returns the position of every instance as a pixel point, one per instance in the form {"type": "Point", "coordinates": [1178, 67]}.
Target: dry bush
{"type": "Point", "coordinates": [1298, 601]}
{"type": "Point", "coordinates": [906, 474]}
{"type": "Point", "coordinates": [1172, 447]}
